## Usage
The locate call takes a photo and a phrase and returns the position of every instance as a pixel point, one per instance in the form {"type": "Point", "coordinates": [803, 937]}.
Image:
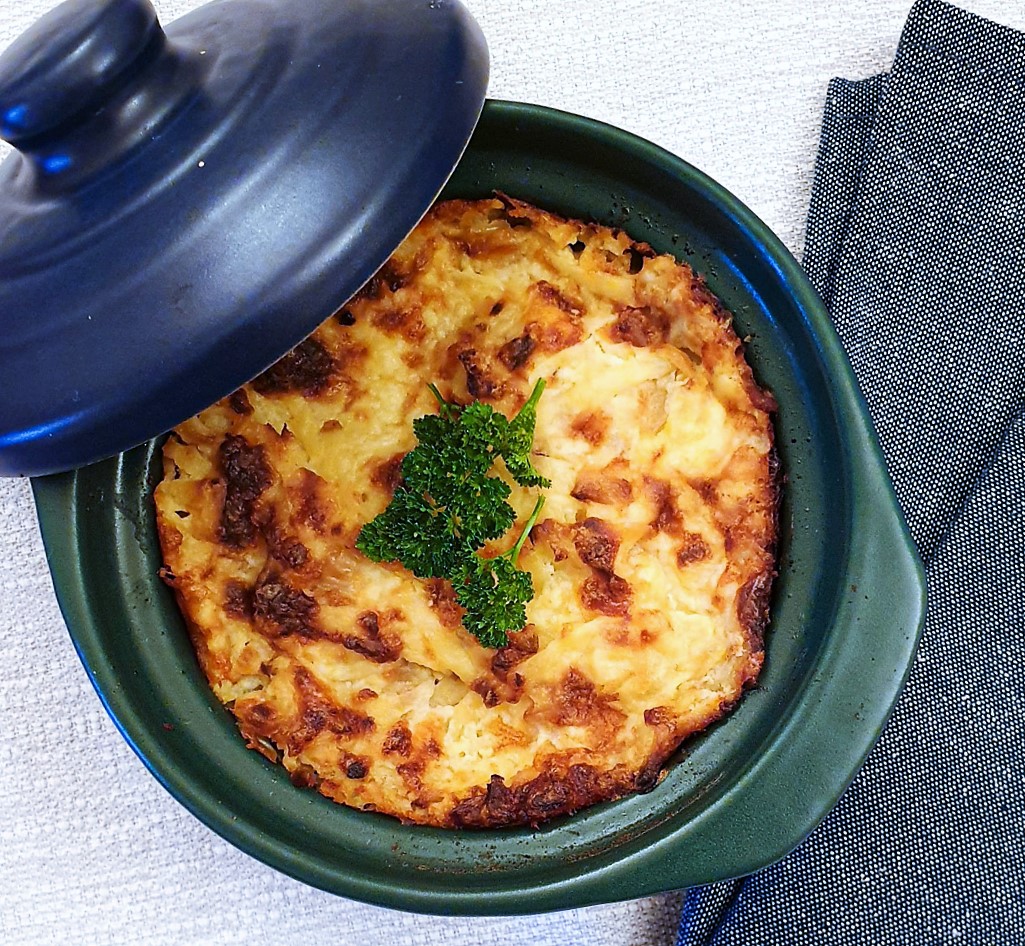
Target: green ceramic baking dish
{"type": "Point", "coordinates": [847, 609]}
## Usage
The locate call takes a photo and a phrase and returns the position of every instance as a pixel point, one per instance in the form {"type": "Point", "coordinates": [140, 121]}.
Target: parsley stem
{"type": "Point", "coordinates": [447, 410]}
{"type": "Point", "coordinates": [535, 396]}
{"type": "Point", "coordinates": [514, 552]}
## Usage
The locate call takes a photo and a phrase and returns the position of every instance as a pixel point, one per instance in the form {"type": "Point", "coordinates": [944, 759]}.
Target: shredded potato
{"type": "Point", "coordinates": [652, 562]}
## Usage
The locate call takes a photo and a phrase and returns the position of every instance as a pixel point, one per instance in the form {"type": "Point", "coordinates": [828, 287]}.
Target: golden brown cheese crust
{"type": "Point", "coordinates": [652, 565]}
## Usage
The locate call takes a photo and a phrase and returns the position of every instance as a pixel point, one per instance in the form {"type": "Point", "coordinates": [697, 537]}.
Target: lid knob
{"type": "Point", "coordinates": [70, 62]}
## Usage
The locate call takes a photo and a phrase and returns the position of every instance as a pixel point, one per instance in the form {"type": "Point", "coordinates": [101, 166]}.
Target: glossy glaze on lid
{"type": "Point", "coordinates": [184, 205]}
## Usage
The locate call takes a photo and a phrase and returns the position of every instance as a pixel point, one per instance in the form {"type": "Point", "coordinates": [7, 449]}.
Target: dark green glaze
{"type": "Point", "coordinates": [848, 604]}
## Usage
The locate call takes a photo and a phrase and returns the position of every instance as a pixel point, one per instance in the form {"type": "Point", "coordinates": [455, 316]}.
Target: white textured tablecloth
{"type": "Point", "coordinates": [92, 850]}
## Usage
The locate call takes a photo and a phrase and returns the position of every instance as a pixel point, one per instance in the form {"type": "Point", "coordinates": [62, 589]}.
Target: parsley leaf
{"type": "Point", "coordinates": [414, 532]}
{"type": "Point", "coordinates": [494, 591]}
{"type": "Point", "coordinates": [519, 438]}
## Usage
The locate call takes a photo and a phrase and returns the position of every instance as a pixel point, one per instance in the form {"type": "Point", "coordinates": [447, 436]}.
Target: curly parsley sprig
{"type": "Point", "coordinates": [494, 591]}
{"type": "Point", "coordinates": [447, 507]}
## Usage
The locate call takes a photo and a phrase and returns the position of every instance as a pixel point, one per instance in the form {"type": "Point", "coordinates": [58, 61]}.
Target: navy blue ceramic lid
{"type": "Point", "coordinates": [185, 205]}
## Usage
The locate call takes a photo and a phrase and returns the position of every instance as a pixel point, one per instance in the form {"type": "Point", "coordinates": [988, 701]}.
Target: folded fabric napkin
{"type": "Point", "coordinates": [916, 241]}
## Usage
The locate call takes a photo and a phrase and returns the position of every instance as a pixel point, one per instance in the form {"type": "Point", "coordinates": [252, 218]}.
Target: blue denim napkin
{"type": "Point", "coordinates": [916, 241]}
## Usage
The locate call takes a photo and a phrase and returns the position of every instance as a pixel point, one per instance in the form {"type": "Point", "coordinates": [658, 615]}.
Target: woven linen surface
{"type": "Point", "coordinates": [916, 240]}
{"type": "Point", "coordinates": [92, 850]}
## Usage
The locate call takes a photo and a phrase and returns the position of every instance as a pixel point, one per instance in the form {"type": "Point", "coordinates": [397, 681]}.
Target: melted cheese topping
{"type": "Point", "coordinates": [651, 566]}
